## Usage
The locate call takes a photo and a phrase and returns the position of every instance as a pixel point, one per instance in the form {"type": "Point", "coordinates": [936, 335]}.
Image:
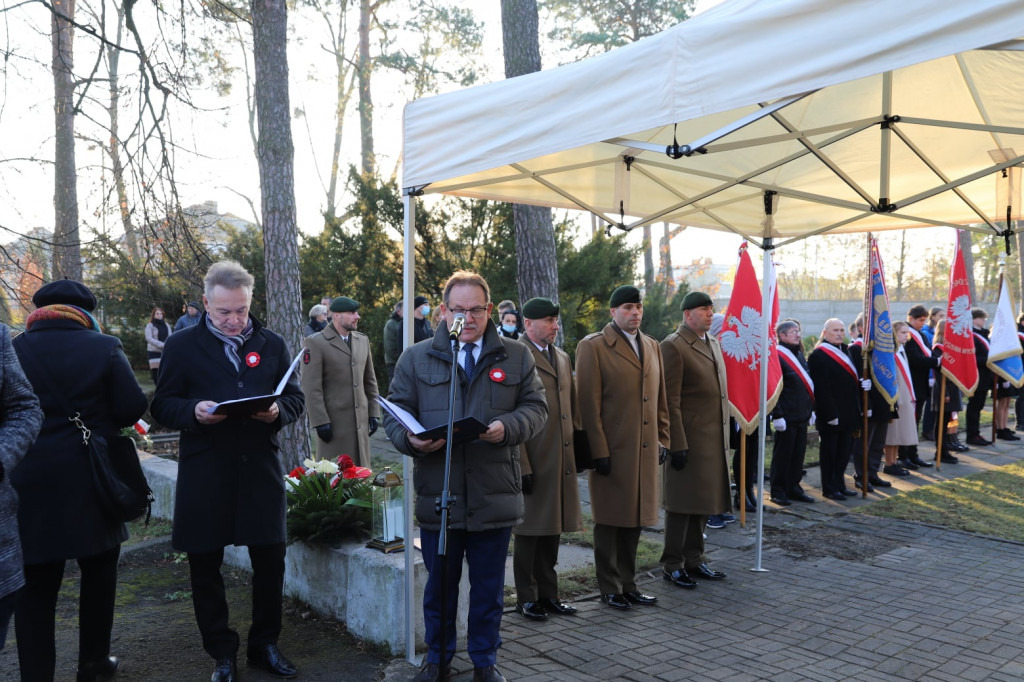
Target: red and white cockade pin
{"type": "Point", "coordinates": [497, 375]}
{"type": "Point", "coordinates": [252, 359]}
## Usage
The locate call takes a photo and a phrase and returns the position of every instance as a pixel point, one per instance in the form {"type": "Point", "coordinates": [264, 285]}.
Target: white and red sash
{"type": "Point", "coordinates": [919, 341]}
{"type": "Point", "coordinates": [983, 340]}
{"type": "Point", "coordinates": [787, 356]}
{"type": "Point", "coordinates": [842, 358]}
{"type": "Point", "coordinates": [901, 362]}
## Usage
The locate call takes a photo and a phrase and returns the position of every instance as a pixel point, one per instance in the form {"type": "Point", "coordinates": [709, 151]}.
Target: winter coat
{"type": "Point", "coordinates": [153, 342]}
{"type": "Point", "coordinates": [341, 390]}
{"type": "Point", "coordinates": [485, 478]}
{"type": "Point", "coordinates": [554, 505]}
{"type": "Point", "coordinates": [837, 392]}
{"type": "Point", "coordinates": [392, 340]}
{"type": "Point", "coordinates": [59, 515]}
{"type": "Point", "coordinates": [698, 410]}
{"type": "Point", "coordinates": [796, 403]}
{"type": "Point", "coordinates": [231, 488]}
{"type": "Point", "coordinates": [623, 410]}
{"type": "Point", "coordinates": [186, 321]}
{"type": "Point", "coordinates": [20, 419]}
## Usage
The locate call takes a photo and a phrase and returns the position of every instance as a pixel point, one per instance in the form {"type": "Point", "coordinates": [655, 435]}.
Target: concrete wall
{"type": "Point", "coordinates": [363, 588]}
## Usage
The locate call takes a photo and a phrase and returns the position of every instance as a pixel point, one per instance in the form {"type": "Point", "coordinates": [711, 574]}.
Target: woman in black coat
{"type": "Point", "coordinates": [59, 516]}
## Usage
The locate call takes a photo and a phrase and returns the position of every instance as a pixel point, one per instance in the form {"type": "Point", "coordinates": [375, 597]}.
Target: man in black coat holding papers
{"type": "Point", "coordinates": [231, 488]}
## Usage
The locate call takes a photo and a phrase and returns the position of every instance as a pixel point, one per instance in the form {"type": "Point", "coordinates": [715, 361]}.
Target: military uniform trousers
{"type": "Point", "coordinates": [533, 564]}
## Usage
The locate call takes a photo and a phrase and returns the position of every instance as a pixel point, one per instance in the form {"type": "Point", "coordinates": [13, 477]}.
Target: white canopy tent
{"type": "Point", "coordinates": [852, 116]}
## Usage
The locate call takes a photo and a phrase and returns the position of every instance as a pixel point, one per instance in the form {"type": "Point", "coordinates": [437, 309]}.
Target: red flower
{"type": "Point", "coordinates": [252, 359]}
{"type": "Point", "coordinates": [497, 375]}
{"type": "Point", "coordinates": [297, 472]}
{"type": "Point", "coordinates": [357, 472]}
{"type": "Point", "coordinates": [345, 462]}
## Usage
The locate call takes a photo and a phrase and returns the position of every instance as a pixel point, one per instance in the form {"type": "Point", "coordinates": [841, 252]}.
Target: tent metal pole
{"type": "Point", "coordinates": [408, 289]}
{"type": "Point", "coordinates": [766, 320]}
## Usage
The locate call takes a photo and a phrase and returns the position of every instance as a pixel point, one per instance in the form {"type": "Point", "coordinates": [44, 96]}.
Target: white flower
{"type": "Point", "coordinates": [321, 466]}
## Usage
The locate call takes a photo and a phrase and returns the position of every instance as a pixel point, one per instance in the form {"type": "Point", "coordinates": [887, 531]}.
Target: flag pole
{"type": "Point", "coordinates": [865, 362]}
{"type": "Point", "coordinates": [766, 320]}
{"type": "Point", "coordinates": [995, 377]}
{"type": "Point", "coordinates": [741, 493]}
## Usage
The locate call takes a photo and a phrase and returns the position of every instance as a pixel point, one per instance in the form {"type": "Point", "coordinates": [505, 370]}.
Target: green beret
{"type": "Point", "coordinates": [696, 299]}
{"type": "Point", "coordinates": [537, 308]}
{"type": "Point", "coordinates": [344, 304]}
{"type": "Point", "coordinates": [627, 293]}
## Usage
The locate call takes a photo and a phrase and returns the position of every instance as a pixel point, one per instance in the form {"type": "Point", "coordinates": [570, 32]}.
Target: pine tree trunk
{"type": "Point", "coordinates": [365, 101]}
{"type": "Point", "coordinates": [648, 258]}
{"type": "Point", "coordinates": [537, 264]}
{"type": "Point", "coordinates": [276, 155]}
{"type": "Point", "coordinates": [67, 248]}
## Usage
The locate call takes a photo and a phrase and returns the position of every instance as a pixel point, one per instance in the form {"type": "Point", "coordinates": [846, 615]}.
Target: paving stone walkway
{"type": "Point", "coordinates": [860, 598]}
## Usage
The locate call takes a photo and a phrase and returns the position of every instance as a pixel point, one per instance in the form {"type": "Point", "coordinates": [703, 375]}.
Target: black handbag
{"type": "Point", "coordinates": [121, 486]}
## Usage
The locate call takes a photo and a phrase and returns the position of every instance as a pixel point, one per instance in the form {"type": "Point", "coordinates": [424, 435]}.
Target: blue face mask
{"type": "Point", "coordinates": [424, 310]}
{"type": "Point", "coordinates": [508, 328]}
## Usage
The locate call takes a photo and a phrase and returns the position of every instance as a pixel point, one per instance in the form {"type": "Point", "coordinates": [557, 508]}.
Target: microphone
{"type": "Point", "coordinates": [457, 324]}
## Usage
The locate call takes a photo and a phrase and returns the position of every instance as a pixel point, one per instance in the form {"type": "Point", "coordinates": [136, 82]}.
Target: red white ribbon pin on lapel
{"type": "Point", "coordinates": [252, 359]}
{"type": "Point", "coordinates": [497, 375]}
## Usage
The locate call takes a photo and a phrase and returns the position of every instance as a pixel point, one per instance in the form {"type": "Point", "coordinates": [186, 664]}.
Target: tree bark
{"type": "Point", "coordinates": [365, 100]}
{"type": "Point", "coordinates": [648, 257]}
{"type": "Point", "coordinates": [113, 147]}
{"type": "Point", "coordinates": [537, 264]}
{"type": "Point", "coordinates": [67, 248]}
{"type": "Point", "coordinates": [276, 155]}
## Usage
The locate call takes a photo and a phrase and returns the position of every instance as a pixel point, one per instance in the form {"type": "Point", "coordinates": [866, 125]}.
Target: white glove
{"type": "Point", "coordinates": [779, 424]}
{"type": "Point", "coordinates": [865, 384]}
{"type": "Point", "coordinates": [833, 422]}
{"type": "Point", "coordinates": [1005, 384]}
{"type": "Point", "coordinates": [952, 415]}
{"type": "Point", "coordinates": [931, 381]}
{"type": "Point", "coordinates": [869, 414]}
{"type": "Point", "coordinates": [814, 418]}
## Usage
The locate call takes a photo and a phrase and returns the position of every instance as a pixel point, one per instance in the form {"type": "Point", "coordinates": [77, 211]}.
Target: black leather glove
{"type": "Point", "coordinates": [325, 432]}
{"type": "Point", "coordinates": [603, 466]}
{"type": "Point", "coordinates": [374, 423]}
{"type": "Point", "coordinates": [527, 484]}
{"type": "Point", "coordinates": [678, 459]}
{"type": "Point", "coordinates": [662, 454]}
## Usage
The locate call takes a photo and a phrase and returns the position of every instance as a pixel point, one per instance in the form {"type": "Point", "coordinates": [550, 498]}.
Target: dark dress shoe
{"type": "Point", "coordinates": [636, 597]}
{"type": "Point", "coordinates": [850, 493]}
{"type": "Point", "coordinates": [800, 497]}
{"type": "Point", "coordinates": [556, 606]}
{"type": "Point", "coordinates": [1006, 434]}
{"type": "Point", "coordinates": [88, 672]}
{"type": "Point", "coordinates": [874, 480]}
{"type": "Point", "coordinates": [948, 458]}
{"type": "Point", "coordinates": [894, 470]}
{"type": "Point", "coordinates": [919, 463]}
{"type": "Point", "coordinates": [226, 670]}
{"type": "Point", "coordinates": [488, 674]}
{"type": "Point", "coordinates": [679, 578]}
{"type": "Point", "coordinates": [706, 572]}
{"type": "Point", "coordinates": [856, 480]}
{"type": "Point", "coordinates": [616, 601]}
{"type": "Point", "coordinates": [978, 440]}
{"type": "Point", "coordinates": [431, 672]}
{"type": "Point", "coordinates": [954, 443]}
{"type": "Point", "coordinates": [531, 610]}
{"type": "Point", "coordinates": [781, 500]}
{"type": "Point", "coordinates": [907, 464]}
{"type": "Point", "coordinates": [838, 497]}
{"type": "Point", "coordinates": [270, 658]}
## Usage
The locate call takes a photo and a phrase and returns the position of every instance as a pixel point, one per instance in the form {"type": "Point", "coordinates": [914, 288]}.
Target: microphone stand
{"type": "Point", "coordinates": [442, 506]}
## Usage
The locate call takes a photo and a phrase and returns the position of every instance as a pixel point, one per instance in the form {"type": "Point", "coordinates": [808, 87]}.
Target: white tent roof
{"type": "Point", "coordinates": [782, 95]}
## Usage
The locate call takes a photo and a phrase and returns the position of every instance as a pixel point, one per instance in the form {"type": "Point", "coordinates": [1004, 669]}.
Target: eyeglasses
{"type": "Point", "coordinates": [475, 312]}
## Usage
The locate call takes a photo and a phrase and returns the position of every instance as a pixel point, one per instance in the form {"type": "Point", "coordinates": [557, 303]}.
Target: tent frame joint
{"type": "Point", "coordinates": [888, 121]}
{"type": "Point", "coordinates": [883, 206]}
{"type": "Point", "coordinates": [414, 191]}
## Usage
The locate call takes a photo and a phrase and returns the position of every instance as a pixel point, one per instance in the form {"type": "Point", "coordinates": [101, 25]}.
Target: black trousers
{"type": "Point", "coordinates": [788, 452]}
{"type": "Point", "coordinates": [34, 614]}
{"type": "Point", "coordinates": [835, 456]}
{"type": "Point", "coordinates": [615, 558]}
{"type": "Point", "coordinates": [533, 564]}
{"type": "Point", "coordinates": [975, 404]}
{"type": "Point", "coordinates": [876, 448]}
{"type": "Point", "coordinates": [211, 606]}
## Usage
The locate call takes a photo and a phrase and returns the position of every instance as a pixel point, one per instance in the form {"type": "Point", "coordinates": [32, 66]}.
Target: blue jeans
{"type": "Point", "coordinates": [485, 553]}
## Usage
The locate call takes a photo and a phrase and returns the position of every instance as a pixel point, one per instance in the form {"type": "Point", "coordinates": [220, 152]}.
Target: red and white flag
{"type": "Point", "coordinates": [958, 362]}
{"type": "Point", "coordinates": [741, 345]}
